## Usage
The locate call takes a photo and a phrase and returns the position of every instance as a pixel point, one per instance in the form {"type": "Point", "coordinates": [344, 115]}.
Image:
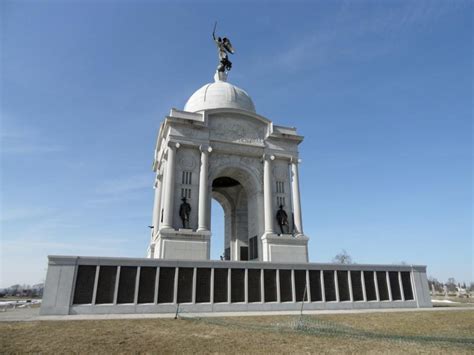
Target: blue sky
{"type": "Point", "coordinates": [382, 92]}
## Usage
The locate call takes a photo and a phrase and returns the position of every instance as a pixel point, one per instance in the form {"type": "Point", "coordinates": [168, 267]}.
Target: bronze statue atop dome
{"type": "Point", "coordinates": [223, 47]}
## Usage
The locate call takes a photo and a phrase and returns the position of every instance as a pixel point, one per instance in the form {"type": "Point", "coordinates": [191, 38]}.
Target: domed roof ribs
{"type": "Point", "coordinates": [219, 94]}
{"type": "Point", "coordinates": [205, 91]}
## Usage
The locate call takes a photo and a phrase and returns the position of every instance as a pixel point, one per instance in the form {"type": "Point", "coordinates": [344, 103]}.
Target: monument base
{"type": "Point", "coordinates": [285, 248]}
{"type": "Point", "coordinates": [104, 285]}
{"type": "Point", "coordinates": [182, 244]}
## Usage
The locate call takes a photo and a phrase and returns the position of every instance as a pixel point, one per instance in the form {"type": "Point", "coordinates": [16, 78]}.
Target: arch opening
{"type": "Point", "coordinates": [232, 196]}
{"type": "Point", "coordinates": [218, 230]}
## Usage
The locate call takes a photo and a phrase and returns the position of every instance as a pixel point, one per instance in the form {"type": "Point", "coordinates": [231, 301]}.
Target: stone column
{"type": "Point", "coordinates": [157, 205]}
{"type": "Point", "coordinates": [267, 193]}
{"type": "Point", "coordinates": [168, 203]}
{"type": "Point", "coordinates": [278, 285]}
{"type": "Point", "coordinates": [349, 280]}
{"type": "Point", "coordinates": [389, 287]}
{"type": "Point", "coordinates": [308, 288]}
{"type": "Point", "coordinates": [137, 284]}
{"type": "Point", "coordinates": [401, 286]}
{"type": "Point", "coordinates": [193, 295]}
{"type": "Point", "coordinates": [203, 212]}
{"type": "Point", "coordinates": [376, 283]}
{"type": "Point", "coordinates": [295, 193]}
{"type": "Point", "coordinates": [212, 287]}
{"type": "Point", "coordinates": [323, 289]}
{"type": "Point", "coordinates": [364, 291]}
{"type": "Point", "coordinates": [246, 285]}
{"type": "Point", "coordinates": [175, 287]}
{"type": "Point", "coordinates": [293, 287]}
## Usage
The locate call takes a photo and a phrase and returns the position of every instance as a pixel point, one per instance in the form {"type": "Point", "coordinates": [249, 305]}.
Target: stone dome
{"type": "Point", "coordinates": [219, 94]}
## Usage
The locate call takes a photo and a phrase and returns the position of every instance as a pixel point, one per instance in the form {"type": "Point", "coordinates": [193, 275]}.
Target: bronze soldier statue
{"type": "Point", "coordinates": [184, 212]}
{"type": "Point", "coordinates": [282, 219]}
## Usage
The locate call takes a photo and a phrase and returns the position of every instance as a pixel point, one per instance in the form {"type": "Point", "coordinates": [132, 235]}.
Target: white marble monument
{"type": "Point", "coordinates": [219, 147]}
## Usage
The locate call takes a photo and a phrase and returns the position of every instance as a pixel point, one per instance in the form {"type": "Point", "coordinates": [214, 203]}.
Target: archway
{"type": "Point", "coordinates": [232, 196]}
{"type": "Point", "coordinates": [218, 230]}
{"type": "Point", "coordinates": [236, 184]}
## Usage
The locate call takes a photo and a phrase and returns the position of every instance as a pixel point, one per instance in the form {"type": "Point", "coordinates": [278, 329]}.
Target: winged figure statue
{"type": "Point", "coordinates": [223, 47]}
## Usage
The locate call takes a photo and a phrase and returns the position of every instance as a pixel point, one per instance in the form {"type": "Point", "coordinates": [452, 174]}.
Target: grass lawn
{"type": "Point", "coordinates": [420, 332]}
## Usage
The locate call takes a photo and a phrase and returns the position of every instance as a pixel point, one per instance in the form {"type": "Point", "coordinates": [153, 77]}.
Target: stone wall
{"type": "Point", "coordinates": [82, 285]}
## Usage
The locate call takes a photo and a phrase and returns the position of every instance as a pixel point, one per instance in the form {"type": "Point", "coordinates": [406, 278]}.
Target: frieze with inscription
{"type": "Point", "coordinates": [237, 130]}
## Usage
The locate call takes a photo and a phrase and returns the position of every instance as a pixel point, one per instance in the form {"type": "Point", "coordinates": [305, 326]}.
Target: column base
{"type": "Point", "coordinates": [183, 244]}
{"type": "Point", "coordinates": [151, 251]}
{"type": "Point", "coordinates": [285, 248]}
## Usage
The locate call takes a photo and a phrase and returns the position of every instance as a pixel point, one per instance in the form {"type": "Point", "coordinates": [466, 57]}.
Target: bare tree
{"type": "Point", "coordinates": [343, 258]}
{"type": "Point", "coordinates": [433, 282]}
{"type": "Point", "coordinates": [451, 283]}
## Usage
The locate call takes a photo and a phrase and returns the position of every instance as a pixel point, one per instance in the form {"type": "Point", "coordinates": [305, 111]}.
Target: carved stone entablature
{"type": "Point", "coordinates": [240, 149]}
{"type": "Point", "coordinates": [184, 131]}
{"type": "Point", "coordinates": [236, 130]}
{"type": "Point", "coordinates": [189, 132]}
{"type": "Point", "coordinates": [282, 145]}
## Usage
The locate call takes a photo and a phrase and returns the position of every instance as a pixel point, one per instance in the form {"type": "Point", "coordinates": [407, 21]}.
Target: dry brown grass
{"type": "Point", "coordinates": [270, 334]}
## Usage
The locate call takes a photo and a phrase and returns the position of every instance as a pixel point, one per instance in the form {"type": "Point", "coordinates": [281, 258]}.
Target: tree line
{"type": "Point", "coordinates": [23, 291]}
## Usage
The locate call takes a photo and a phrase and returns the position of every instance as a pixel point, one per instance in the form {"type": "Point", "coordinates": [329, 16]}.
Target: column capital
{"type": "Point", "coordinates": [295, 160]}
{"type": "Point", "coordinates": [267, 156]}
{"type": "Point", "coordinates": [204, 148]}
{"type": "Point", "coordinates": [174, 145]}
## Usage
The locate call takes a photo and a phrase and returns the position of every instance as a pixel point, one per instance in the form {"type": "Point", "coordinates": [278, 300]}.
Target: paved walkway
{"type": "Point", "coordinates": [32, 314]}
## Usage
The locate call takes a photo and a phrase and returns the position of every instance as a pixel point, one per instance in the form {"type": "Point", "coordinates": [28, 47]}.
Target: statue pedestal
{"type": "Point", "coordinates": [285, 248]}
{"type": "Point", "coordinates": [220, 76]}
{"type": "Point", "coordinates": [182, 244]}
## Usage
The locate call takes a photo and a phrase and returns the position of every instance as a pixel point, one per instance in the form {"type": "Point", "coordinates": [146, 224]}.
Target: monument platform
{"type": "Point", "coordinates": [103, 285]}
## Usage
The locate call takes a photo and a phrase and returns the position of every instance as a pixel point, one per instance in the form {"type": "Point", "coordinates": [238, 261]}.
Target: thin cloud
{"type": "Point", "coordinates": [21, 222]}
{"type": "Point", "coordinates": [349, 32]}
{"type": "Point", "coordinates": [16, 140]}
{"type": "Point", "coordinates": [22, 213]}
{"type": "Point", "coordinates": [125, 184]}
{"type": "Point", "coordinates": [25, 260]}
{"type": "Point", "coordinates": [54, 247]}
{"type": "Point", "coordinates": [120, 189]}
